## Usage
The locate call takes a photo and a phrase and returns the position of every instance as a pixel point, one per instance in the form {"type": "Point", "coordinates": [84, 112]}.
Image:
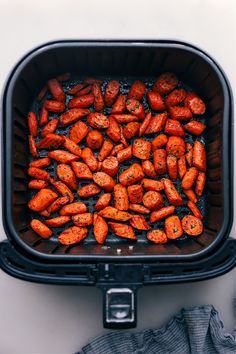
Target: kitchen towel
{"type": "Point", "coordinates": [197, 330]}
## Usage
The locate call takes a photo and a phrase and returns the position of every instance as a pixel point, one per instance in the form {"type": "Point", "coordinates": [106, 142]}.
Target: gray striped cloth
{"type": "Point", "coordinates": [197, 330]}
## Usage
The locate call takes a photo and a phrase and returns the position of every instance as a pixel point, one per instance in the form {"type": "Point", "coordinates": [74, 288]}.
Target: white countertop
{"type": "Point", "coordinates": [48, 319]}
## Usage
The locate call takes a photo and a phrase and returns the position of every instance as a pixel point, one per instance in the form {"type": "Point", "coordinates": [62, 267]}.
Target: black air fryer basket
{"type": "Point", "coordinates": [117, 267]}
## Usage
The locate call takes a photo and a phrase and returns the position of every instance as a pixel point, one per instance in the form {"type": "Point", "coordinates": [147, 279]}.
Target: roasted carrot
{"type": "Point", "coordinates": [125, 118]}
{"type": "Point", "coordinates": [71, 146]}
{"type": "Point", "coordinates": [32, 124]}
{"type": "Point", "coordinates": [159, 141]}
{"type": "Point", "coordinates": [40, 229]}
{"type": "Point", "coordinates": [139, 222]}
{"type": "Point", "coordinates": [189, 178]}
{"type": "Point", "coordinates": [122, 137]}
{"type": "Point", "coordinates": [110, 166]}
{"type": "Point", "coordinates": [174, 127]}
{"type": "Point", "coordinates": [67, 176]}
{"type": "Point", "coordinates": [121, 200]}
{"type": "Point", "coordinates": [37, 173]}
{"type": "Point", "coordinates": [73, 209]}
{"type": "Point", "coordinates": [50, 127]}
{"type": "Point", "coordinates": [173, 227]}
{"type": "Point", "coordinates": [119, 105]}
{"type": "Point", "coordinates": [104, 181]}
{"type": "Point", "coordinates": [182, 166]}
{"type": "Point", "coordinates": [125, 154]}
{"type": "Point", "coordinates": [135, 193]}
{"type": "Point", "coordinates": [116, 149]}
{"type": "Point", "coordinates": [76, 88]}
{"type": "Point", "coordinates": [81, 170]}
{"type": "Point", "coordinates": [153, 200]}
{"type": "Point", "coordinates": [111, 93]}
{"type": "Point", "coordinates": [165, 83]}
{"type": "Point", "coordinates": [54, 106]}
{"type": "Point", "coordinates": [100, 229]}
{"type": "Point", "coordinates": [89, 158]}
{"type": "Point", "coordinates": [40, 163]}
{"type": "Point", "coordinates": [57, 221]}
{"type": "Point", "coordinates": [82, 220]}
{"type": "Point", "coordinates": [157, 123]}
{"type": "Point", "coordinates": [171, 192]}
{"type": "Point", "coordinates": [131, 175]}
{"type": "Point", "coordinates": [152, 185]}
{"type": "Point", "coordinates": [72, 235]}
{"type": "Point", "coordinates": [137, 90]}
{"type": "Point", "coordinates": [192, 225]}
{"type": "Point", "coordinates": [162, 213]}
{"type": "Point", "coordinates": [32, 147]}
{"type": "Point", "coordinates": [106, 149]}
{"type": "Point", "coordinates": [180, 113]}
{"type": "Point", "coordinates": [145, 123]}
{"type": "Point", "coordinates": [123, 230]}
{"type": "Point", "coordinates": [72, 115]}
{"type": "Point", "coordinates": [175, 97]}
{"type": "Point", "coordinates": [42, 199]}
{"type": "Point", "coordinates": [189, 154]}
{"type": "Point", "coordinates": [175, 146]}
{"type": "Point", "coordinates": [113, 132]}
{"type": "Point", "coordinates": [199, 156]}
{"type": "Point", "coordinates": [135, 107]}
{"type": "Point", "coordinates": [194, 127]}
{"type": "Point", "coordinates": [190, 194]}
{"type": "Point", "coordinates": [42, 93]}
{"type": "Point", "coordinates": [98, 120]}
{"type": "Point", "coordinates": [159, 161]}
{"type": "Point", "coordinates": [43, 116]}
{"type": "Point", "coordinates": [56, 90]}
{"type": "Point", "coordinates": [98, 97]}
{"type": "Point", "coordinates": [78, 132]}
{"type": "Point", "coordinates": [130, 130]}
{"type": "Point", "coordinates": [51, 141]}
{"type": "Point", "coordinates": [84, 91]}
{"type": "Point", "coordinates": [84, 101]}
{"type": "Point", "coordinates": [137, 208]}
{"type": "Point", "coordinates": [194, 209]}
{"type": "Point", "coordinates": [148, 169]}
{"type": "Point", "coordinates": [62, 156]}
{"type": "Point", "coordinates": [92, 80]}
{"type": "Point", "coordinates": [112, 213]}
{"type": "Point", "coordinates": [89, 190]}
{"type": "Point", "coordinates": [57, 204]}
{"type": "Point", "coordinates": [141, 149]}
{"type": "Point", "coordinates": [63, 190]}
{"type": "Point", "coordinates": [157, 236]}
{"type": "Point", "coordinates": [94, 139]}
{"type": "Point", "coordinates": [37, 184]}
{"type": "Point", "coordinates": [200, 183]}
{"type": "Point", "coordinates": [194, 103]}
{"type": "Point", "coordinates": [103, 201]}
{"type": "Point", "coordinates": [155, 101]}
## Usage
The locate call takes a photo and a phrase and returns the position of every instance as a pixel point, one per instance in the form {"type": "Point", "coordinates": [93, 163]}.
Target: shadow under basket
{"type": "Point", "coordinates": [128, 61]}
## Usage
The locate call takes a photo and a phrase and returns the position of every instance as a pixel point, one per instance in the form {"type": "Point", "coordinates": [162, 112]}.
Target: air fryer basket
{"type": "Point", "coordinates": [126, 61]}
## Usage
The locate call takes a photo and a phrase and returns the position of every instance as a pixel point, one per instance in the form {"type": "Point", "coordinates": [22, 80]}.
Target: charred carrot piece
{"type": "Point", "coordinates": [137, 208]}
{"type": "Point", "coordinates": [194, 209]}
{"type": "Point", "coordinates": [37, 173]}
{"type": "Point", "coordinates": [171, 192]}
{"type": "Point", "coordinates": [105, 151]}
{"type": "Point", "coordinates": [76, 88]}
{"type": "Point", "coordinates": [72, 115]}
{"type": "Point", "coordinates": [110, 166]}
{"type": "Point", "coordinates": [103, 201]}
{"type": "Point", "coordinates": [182, 166]}
{"type": "Point", "coordinates": [123, 230]}
{"type": "Point", "coordinates": [85, 219]}
{"type": "Point", "coordinates": [189, 178]}
{"type": "Point", "coordinates": [32, 124]}
{"type": "Point", "coordinates": [112, 92]}
{"type": "Point", "coordinates": [152, 185]}
{"type": "Point", "coordinates": [175, 146]}
{"type": "Point", "coordinates": [200, 183]}
{"type": "Point", "coordinates": [63, 190]}
{"type": "Point", "coordinates": [57, 221]}
{"type": "Point", "coordinates": [130, 130]}
{"type": "Point", "coordinates": [142, 149]}
{"type": "Point", "coordinates": [173, 227]}
{"type": "Point", "coordinates": [84, 91]}
{"type": "Point", "coordinates": [37, 184]}
{"type": "Point", "coordinates": [104, 181]}
{"type": "Point", "coordinates": [157, 236]}
{"type": "Point", "coordinates": [137, 90]}
{"type": "Point", "coordinates": [174, 127]}
{"type": "Point", "coordinates": [125, 118]}
{"type": "Point", "coordinates": [113, 131]}
{"type": "Point", "coordinates": [159, 161]}
{"type": "Point", "coordinates": [54, 106]}
{"type": "Point", "coordinates": [125, 154]}
{"type": "Point", "coordinates": [42, 199]}
{"type": "Point", "coordinates": [190, 194]}
{"type": "Point", "coordinates": [135, 193]}
{"type": "Point", "coordinates": [194, 127]}
{"type": "Point", "coordinates": [89, 190]}
{"type": "Point", "coordinates": [42, 93]}
{"type": "Point", "coordinates": [180, 113]}
{"type": "Point", "coordinates": [175, 97]}
{"type": "Point", "coordinates": [148, 169]}
{"type": "Point", "coordinates": [199, 156]}
{"type": "Point", "coordinates": [81, 170]}
{"type": "Point", "coordinates": [135, 107]}
{"type": "Point", "coordinates": [121, 200]}
{"type": "Point", "coordinates": [192, 225]}
{"type": "Point", "coordinates": [157, 123]}
{"type": "Point", "coordinates": [78, 132]}
{"type": "Point", "coordinates": [145, 123]}
{"type": "Point", "coordinates": [131, 175]}
{"type": "Point", "coordinates": [153, 200]}
{"type": "Point", "coordinates": [73, 209]}
{"type": "Point", "coordinates": [71, 146]}
{"type": "Point", "coordinates": [119, 105]}
{"type": "Point", "coordinates": [194, 103]}
{"type": "Point", "coordinates": [41, 229]}
{"type": "Point", "coordinates": [162, 213]}
{"type": "Point", "coordinates": [115, 214]}
{"type": "Point", "coordinates": [56, 90]}
{"type": "Point", "coordinates": [73, 235]}
{"type": "Point", "coordinates": [50, 127]}
{"type": "Point", "coordinates": [159, 142]}
{"type": "Point", "coordinates": [139, 222]}
{"type": "Point", "coordinates": [98, 120]}
{"type": "Point", "coordinates": [122, 137]}
{"type": "Point", "coordinates": [32, 147]}
{"type": "Point", "coordinates": [172, 167]}
{"type": "Point", "coordinates": [40, 163]}
{"type": "Point", "coordinates": [51, 141]}
{"type": "Point", "coordinates": [98, 97]}
{"type": "Point", "coordinates": [100, 229]}
{"type": "Point", "coordinates": [189, 154]}
{"type": "Point", "coordinates": [57, 204]}
{"type": "Point", "coordinates": [62, 156]}
{"type": "Point", "coordinates": [92, 80]}
{"type": "Point", "coordinates": [67, 176]}
{"type": "Point", "coordinates": [165, 83]}
{"type": "Point", "coordinates": [84, 101]}
{"type": "Point", "coordinates": [116, 149]}
{"type": "Point", "coordinates": [43, 116]}
{"type": "Point", "coordinates": [89, 158]}
{"type": "Point", "coordinates": [155, 101]}
{"type": "Point", "coordinates": [94, 139]}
